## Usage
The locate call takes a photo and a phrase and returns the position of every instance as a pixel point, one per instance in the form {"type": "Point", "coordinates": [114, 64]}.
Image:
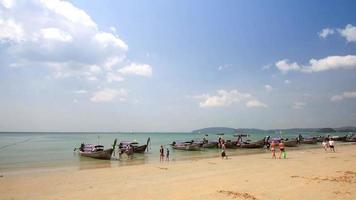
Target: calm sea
{"type": "Point", "coordinates": [38, 152]}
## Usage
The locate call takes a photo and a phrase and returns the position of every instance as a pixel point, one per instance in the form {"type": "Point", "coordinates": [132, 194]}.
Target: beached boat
{"type": "Point", "coordinates": [96, 151]}
{"type": "Point", "coordinates": [210, 144]}
{"type": "Point", "coordinates": [339, 138]}
{"type": "Point", "coordinates": [133, 146]}
{"type": "Point", "coordinates": [308, 141]}
{"type": "Point", "coordinates": [351, 138]}
{"type": "Point", "coordinates": [252, 145]}
{"type": "Point", "coordinates": [188, 146]}
{"type": "Point", "coordinates": [290, 143]}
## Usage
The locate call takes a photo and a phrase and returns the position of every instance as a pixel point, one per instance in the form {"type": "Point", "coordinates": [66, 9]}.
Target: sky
{"type": "Point", "coordinates": [176, 65]}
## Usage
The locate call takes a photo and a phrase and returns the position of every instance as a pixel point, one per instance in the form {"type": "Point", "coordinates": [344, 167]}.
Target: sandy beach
{"type": "Point", "coordinates": [305, 174]}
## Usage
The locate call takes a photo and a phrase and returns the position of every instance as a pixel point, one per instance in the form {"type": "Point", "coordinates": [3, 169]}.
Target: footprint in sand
{"type": "Point", "coordinates": [238, 195]}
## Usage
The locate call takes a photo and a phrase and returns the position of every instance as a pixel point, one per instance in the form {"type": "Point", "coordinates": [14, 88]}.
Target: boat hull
{"type": "Point", "coordinates": [103, 155]}
{"type": "Point", "coordinates": [291, 143]}
{"type": "Point", "coordinates": [140, 149]}
{"type": "Point", "coordinates": [187, 147]}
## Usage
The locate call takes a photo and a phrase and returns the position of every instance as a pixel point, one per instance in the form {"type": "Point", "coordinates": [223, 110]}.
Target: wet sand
{"type": "Point", "coordinates": [305, 174]}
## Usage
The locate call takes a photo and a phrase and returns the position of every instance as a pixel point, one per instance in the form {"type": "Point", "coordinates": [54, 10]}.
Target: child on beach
{"type": "Point", "coordinates": [223, 154]}
{"type": "Point", "coordinates": [167, 155]}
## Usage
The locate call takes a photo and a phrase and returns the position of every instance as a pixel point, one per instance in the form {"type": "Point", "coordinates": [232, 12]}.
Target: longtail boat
{"type": "Point", "coordinates": [96, 151]}
{"type": "Point", "coordinates": [133, 146]}
{"type": "Point", "coordinates": [290, 143]}
{"type": "Point", "coordinates": [188, 146]}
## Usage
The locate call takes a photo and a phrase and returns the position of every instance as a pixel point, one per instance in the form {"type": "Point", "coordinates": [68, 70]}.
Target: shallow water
{"type": "Point", "coordinates": [36, 152]}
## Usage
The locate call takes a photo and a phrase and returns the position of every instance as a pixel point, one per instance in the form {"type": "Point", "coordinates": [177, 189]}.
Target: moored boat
{"type": "Point", "coordinates": [290, 143]}
{"type": "Point", "coordinates": [133, 146]}
{"type": "Point", "coordinates": [186, 146]}
{"type": "Point", "coordinates": [96, 151]}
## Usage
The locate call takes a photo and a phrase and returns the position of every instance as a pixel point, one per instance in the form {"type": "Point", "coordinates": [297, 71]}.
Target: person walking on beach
{"type": "Point", "coordinates": [223, 154]}
{"type": "Point", "coordinates": [282, 151]}
{"type": "Point", "coordinates": [272, 147]}
{"type": "Point", "coordinates": [167, 154]}
{"type": "Point", "coordinates": [332, 145]}
{"type": "Point", "coordinates": [325, 144]}
{"type": "Point", "coordinates": [161, 154]}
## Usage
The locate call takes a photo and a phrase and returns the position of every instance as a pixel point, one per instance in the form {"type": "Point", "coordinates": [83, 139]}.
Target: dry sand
{"type": "Point", "coordinates": [305, 174]}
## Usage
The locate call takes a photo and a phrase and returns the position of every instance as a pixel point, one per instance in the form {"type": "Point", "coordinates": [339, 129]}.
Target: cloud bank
{"type": "Point", "coordinates": [225, 98]}
{"type": "Point", "coordinates": [345, 95]}
{"type": "Point", "coordinates": [323, 64]}
{"type": "Point", "coordinates": [58, 37]}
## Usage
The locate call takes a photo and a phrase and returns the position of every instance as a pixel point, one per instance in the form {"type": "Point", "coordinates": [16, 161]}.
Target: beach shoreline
{"type": "Point", "coordinates": [311, 172]}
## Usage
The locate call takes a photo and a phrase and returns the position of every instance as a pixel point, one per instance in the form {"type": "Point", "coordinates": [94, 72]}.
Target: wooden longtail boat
{"type": "Point", "coordinates": [123, 146]}
{"type": "Point", "coordinates": [339, 138]}
{"type": "Point", "coordinates": [96, 151]}
{"type": "Point", "coordinates": [186, 146]}
{"type": "Point", "coordinates": [308, 141]}
{"type": "Point", "coordinates": [351, 138]}
{"type": "Point", "coordinates": [212, 144]}
{"type": "Point", "coordinates": [290, 143]}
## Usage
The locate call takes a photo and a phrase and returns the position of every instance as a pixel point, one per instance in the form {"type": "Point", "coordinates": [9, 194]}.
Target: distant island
{"type": "Point", "coordinates": [228, 130]}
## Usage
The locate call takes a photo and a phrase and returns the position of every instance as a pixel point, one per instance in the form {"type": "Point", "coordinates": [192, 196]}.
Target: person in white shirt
{"type": "Point", "coordinates": [325, 144]}
{"type": "Point", "coordinates": [332, 145]}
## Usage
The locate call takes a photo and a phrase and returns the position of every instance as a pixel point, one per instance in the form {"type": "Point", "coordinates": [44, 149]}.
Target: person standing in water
{"type": "Point", "coordinates": [167, 155]}
{"type": "Point", "coordinates": [161, 154]}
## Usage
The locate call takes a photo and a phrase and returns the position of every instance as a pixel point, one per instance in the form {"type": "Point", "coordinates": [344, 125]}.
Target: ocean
{"type": "Point", "coordinates": [48, 151]}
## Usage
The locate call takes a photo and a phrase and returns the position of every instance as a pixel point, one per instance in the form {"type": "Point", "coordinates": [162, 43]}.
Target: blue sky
{"type": "Point", "coordinates": [176, 66]}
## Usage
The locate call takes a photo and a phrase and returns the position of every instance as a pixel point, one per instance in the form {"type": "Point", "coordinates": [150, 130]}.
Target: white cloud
{"type": "Point", "coordinates": [56, 35]}
{"type": "Point", "coordinates": [224, 66]}
{"type": "Point", "coordinates": [80, 91]}
{"type": "Point", "coordinates": [349, 32]}
{"type": "Point", "coordinates": [287, 82]}
{"type": "Point", "coordinates": [255, 104]}
{"type": "Point", "coordinates": [107, 95]}
{"type": "Point", "coordinates": [108, 39]}
{"type": "Point", "coordinates": [110, 62]}
{"type": "Point", "coordinates": [343, 96]}
{"type": "Point", "coordinates": [285, 66]}
{"type": "Point", "coordinates": [69, 12]}
{"type": "Point", "coordinates": [298, 105]}
{"type": "Point", "coordinates": [226, 98]}
{"type": "Point", "coordinates": [7, 3]}
{"type": "Point", "coordinates": [326, 32]}
{"type": "Point", "coordinates": [137, 69]}
{"type": "Point", "coordinates": [324, 64]}
{"type": "Point", "coordinates": [114, 77]}
{"type": "Point", "coordinates": [268, 88]}
{"type": "Point", "coordinates": [94, 69]}
{"type": "Point", "coordinates": [10, 31]}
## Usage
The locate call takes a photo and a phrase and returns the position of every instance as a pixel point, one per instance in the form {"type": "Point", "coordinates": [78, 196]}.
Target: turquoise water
{"type": "Point", "coordinates": [28, 152]}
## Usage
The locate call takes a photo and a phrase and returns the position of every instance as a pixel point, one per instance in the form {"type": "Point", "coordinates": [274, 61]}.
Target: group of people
{"type": "Point", "coordinates": [282, 150]}
{"type": "Point", "coordinates": [329, 143]}
{"type": "Point", "coordinates": [161, 154]}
